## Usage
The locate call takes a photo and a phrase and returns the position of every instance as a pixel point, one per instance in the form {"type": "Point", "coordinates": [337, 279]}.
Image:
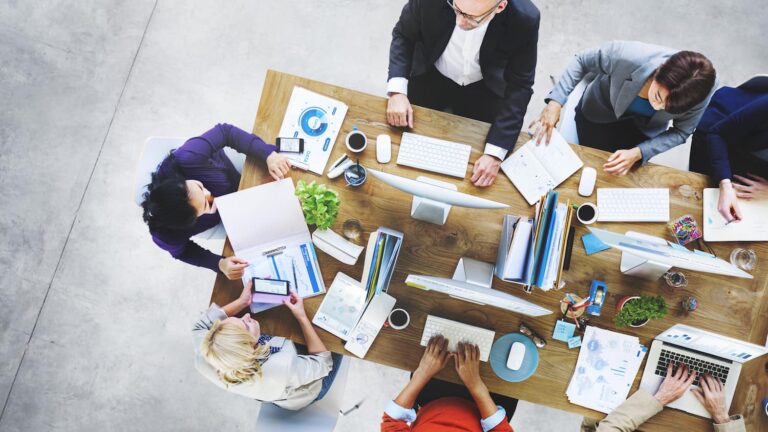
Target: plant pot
{"type": "Point", "coordinates": [620, 305]}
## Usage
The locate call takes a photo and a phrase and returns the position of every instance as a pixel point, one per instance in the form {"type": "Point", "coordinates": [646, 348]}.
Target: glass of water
{"type": "Point", "coordinates": [745, 259]}
{"type": "Point", "coordinates": [676, 279]}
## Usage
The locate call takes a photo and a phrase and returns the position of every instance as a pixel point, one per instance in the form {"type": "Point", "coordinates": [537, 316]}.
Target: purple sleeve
{"type": "Point", "coordinates": [220, 136]}
{"type": "Point", "coordinates": [187, 251]}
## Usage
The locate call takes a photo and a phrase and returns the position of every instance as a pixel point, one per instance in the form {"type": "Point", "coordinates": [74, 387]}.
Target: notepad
{"type": "Point", "coordinates": [752, 228]}
{"type": "Point", "coordinates": [537, 169]}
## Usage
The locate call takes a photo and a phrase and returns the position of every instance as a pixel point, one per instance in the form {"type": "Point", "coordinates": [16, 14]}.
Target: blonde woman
{"type": "Point", "coordinates": [233, 354]}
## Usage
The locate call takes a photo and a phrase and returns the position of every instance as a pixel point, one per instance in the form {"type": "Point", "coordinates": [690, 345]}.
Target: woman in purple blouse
{"type": "Point", "coordinates": [179, 203]}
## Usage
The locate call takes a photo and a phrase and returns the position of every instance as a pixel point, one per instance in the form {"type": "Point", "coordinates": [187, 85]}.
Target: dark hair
{"type": "Point", "coordinates": [166, 201]}
{"type": "Point", "coordinates": [689, 77]}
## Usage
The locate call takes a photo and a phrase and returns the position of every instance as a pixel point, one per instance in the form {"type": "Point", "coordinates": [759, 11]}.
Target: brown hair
{"type": "Point", "coordinates": [689, 77]}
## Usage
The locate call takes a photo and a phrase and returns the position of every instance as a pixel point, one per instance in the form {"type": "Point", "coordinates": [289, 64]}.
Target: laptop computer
{"type": "Point", "coordinates": [702, 351]}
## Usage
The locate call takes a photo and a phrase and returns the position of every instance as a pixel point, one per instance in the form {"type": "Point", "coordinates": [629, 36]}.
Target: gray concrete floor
{"type": "Point", "coordinates": [94, 334]}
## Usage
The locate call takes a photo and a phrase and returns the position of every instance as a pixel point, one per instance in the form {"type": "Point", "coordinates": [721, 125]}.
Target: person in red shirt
{"type": "Point", "coordinates": [448, 414]}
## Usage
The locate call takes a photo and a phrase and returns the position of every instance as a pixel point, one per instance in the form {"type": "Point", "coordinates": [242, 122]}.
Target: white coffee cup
{"type": "Point", "coordinates": [583, 216]}
{"type": "Point", "coordinates": [356, 141]}
{"type": "Point", "coordinates": [401, 325]}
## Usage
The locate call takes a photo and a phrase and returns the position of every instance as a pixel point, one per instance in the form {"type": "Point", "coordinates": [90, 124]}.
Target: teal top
{"type": "Point", "coordinates": [640, 107]}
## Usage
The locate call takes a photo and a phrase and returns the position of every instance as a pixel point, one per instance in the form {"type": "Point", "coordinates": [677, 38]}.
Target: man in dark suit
{"type": "Point", "coordinates": [475, 57]}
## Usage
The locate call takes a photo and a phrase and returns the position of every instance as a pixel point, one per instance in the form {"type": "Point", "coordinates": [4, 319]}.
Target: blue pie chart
{"type": "Point", "coordinates": [313, 121]}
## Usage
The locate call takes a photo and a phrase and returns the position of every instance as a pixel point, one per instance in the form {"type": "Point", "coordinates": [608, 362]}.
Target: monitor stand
{"type": "Point", "coordinates": [644, 268]}
{"type": "Point", "coordinates": [472, 271]}
{"type": "Point", "coordinates": [428, 210]}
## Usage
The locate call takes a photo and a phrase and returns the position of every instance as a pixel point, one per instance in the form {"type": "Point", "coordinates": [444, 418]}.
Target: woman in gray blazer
{"type": "Point", "coordinates": [637, 90]}
{"type": "Point", "coordinates": [232, 353]}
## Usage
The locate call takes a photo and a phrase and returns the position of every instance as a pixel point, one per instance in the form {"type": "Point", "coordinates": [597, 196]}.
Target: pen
{"type": "Point", "coordinates": [295, 281]}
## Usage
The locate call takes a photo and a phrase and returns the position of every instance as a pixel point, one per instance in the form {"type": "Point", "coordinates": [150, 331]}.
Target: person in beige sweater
{"type": "Point", "coordinates": [641, 406]}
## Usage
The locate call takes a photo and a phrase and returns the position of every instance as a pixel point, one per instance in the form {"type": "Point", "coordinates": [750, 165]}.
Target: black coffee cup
{"type": "Point", "coordinates": [399, 319]}
{"type": "Point", "coordinates": [356, 141]}
{"type": "Point", "coordinates": [586, 213]}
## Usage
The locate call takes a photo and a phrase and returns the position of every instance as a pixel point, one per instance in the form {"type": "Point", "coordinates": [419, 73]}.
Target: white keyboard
{"type": "Point", "coordinates": [432, 154]}
{"type": "Point", "coordinates": [457, 332]}
{"type": "Point", "coordinates": [632, 205]}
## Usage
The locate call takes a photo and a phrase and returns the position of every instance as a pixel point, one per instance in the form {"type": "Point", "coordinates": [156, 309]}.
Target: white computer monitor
{"type": "Point", "coordinates": [433, 198]}
{"type": "Point", "coordinates": [664, 253]}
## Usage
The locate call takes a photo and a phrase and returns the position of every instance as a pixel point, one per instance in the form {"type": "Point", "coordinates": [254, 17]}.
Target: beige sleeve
{"type": "Point", "coordinates": [735, 425]}
{"type": "Point", "coordinates": [631, 414]}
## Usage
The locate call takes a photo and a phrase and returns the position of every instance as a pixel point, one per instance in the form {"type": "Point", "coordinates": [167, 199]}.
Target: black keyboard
{"type": "Point", "coordinates": [700, 366]}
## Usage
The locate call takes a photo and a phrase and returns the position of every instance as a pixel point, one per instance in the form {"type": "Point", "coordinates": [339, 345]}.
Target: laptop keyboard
{"type": "Point", "coordinates": [696, 364]}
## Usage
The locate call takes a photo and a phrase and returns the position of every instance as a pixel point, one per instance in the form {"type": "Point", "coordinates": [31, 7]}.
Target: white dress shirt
{"type": "Point", "coordinates": [461, 63]}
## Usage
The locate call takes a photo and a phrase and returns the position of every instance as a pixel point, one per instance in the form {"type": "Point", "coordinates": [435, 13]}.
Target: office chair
{"type": "Point", "coordinates": [155, 150]}
{"type": "Point", "coordinates": [567, 127]}
{"type": "Point", "coordinates": [321, 416]}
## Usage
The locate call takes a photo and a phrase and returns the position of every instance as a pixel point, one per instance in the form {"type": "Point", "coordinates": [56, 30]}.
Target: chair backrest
{"type": "Point", "coordinates": [321, 416]}
{"type": "Point", "coordinates": [567, 127]}
{"type": "Point", "coordinates": [155, 150]}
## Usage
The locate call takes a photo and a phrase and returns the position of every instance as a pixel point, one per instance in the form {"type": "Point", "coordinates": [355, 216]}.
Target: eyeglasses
{"type": "Point", "coordinates": [474, 19]}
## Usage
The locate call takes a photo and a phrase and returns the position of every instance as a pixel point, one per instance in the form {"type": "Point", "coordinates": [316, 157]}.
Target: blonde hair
{"type": "Point", "coordinates": [233, 352]}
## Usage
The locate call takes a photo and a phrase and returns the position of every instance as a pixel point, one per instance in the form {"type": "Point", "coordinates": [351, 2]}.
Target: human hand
{"type": "Point", "coordinates": [278, 165]}
{"type": "Point", "coordinates": [485, 170]}
{"type": "Point", "coordinates": [728, 204]}
{"type": "Point", "coordinates": [674, 385]}
{"type": "Point", "coordinates": [399, 110]}
{"type": "Point", "coordinates": [296, 305]}
{"type": "Point", "coordinates": [711, 394]}
{"type": "Point", "coordinates": [233, 267]}
{"type": "Point", "coordinates": [434, 359]}
{"type": "Point", "coordinates": [467, 363]}
{"type": "Point", "coordinates": [245, 296]}
{"type": "Point", "coordinates": [621, 161]}
{"type": "Point", "coordinates": [546, 122]}
{"type": "Point", "coordinates": [754, 187]}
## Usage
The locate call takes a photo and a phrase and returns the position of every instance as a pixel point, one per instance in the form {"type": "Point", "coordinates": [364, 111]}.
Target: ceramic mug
{"type": "Point", "coordinates": [356, 141]}
{"type": "Point", "coordinates": [587, 213]}
{"type": "Point", "coordinates": [398, 319]}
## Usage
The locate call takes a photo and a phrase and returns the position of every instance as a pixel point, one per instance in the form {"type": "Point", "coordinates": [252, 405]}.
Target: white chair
{"type": "Point", "coordinates": [155, 150]}
{"type": "Point", "coordinates": [321, 416]}
{"type": "Point", "coordinates": [567, 126]}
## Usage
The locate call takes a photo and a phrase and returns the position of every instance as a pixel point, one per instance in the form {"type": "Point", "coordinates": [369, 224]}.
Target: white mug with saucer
{"type": "Point", "coordinates": [398, 319]}
{"type": "Point", "coordinates": [587, 213]}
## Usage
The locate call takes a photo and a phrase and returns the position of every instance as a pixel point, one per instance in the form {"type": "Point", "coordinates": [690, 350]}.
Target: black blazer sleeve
{"type": "Point", "coordinates": [519, 75]}
{"type": "Point", "coordinates": [406, 33]}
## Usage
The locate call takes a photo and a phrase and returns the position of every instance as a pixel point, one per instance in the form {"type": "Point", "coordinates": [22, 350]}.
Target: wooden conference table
{"type": "Point", "coordinates": [730, 306]}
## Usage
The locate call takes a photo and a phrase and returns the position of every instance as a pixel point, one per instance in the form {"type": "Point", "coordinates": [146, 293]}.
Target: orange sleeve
{"type": "Point", "coordinates": [388, 424]}
{"type": "Point", "coordinates": [502, 427]}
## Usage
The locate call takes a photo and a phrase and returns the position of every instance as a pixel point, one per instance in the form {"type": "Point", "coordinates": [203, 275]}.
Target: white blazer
{"type": "Point", "coordinates": [289, 380]}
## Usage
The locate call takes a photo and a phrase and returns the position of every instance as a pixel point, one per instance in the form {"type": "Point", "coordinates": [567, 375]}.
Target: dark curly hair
{"type": "Point", "coordinates": [166, 201]}
{"type": "Point", "coordinates": [689, 77]}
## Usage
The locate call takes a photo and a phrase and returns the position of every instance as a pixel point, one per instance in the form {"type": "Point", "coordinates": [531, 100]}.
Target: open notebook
{"type": "Point", "coordinates": [537, 169]}
{"type": "Point", "coordinates": [752, 228]}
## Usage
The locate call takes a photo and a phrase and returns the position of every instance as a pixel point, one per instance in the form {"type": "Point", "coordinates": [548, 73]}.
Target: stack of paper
{"type": "Point", "coordinates": [607, 366]}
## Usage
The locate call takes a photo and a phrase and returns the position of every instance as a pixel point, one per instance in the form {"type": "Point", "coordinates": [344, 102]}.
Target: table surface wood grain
{"type": "Point", "coordinates": [730, 306]}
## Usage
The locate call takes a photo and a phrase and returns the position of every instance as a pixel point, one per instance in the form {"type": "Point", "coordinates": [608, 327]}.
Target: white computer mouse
{"type": "Point", "coordinates": [587, 182]}
{"type": "Point", "coordinates": [383, 148]}
{"type": "Point", "coordinates": [516, 355]}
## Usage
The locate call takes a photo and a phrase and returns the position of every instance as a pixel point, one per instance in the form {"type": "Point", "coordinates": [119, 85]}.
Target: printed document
{"type": "Point", "coordinates": [607, 365]}
{"type": "Point", "coordinates": [537, 169]}
{"type": "Point", "coordinates": [752, 228]}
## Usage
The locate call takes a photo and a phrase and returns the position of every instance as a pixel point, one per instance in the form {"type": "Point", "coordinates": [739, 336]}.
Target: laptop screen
{"type": "Point", "coordinates": [712, 343]}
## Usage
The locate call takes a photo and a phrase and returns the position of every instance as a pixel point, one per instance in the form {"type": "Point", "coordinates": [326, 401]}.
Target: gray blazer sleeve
{"type": "Point", "coordinates": [596, 60]}
{"type": "Point", "coordinates": [204, 323]}
{"type": "Point", "coordinates": [682, 127]}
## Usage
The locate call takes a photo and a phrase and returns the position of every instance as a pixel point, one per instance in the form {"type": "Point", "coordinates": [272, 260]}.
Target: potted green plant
{"type": "Point", "coordinates": [320, 204]}
{"type": "Point", "coordinates": [636, 311]}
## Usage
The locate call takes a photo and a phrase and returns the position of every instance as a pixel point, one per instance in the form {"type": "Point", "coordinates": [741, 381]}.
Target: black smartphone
{"type": "Point", "coordinates": [290, 145]}
{"type": "Point", "coordinates": [270, 286]}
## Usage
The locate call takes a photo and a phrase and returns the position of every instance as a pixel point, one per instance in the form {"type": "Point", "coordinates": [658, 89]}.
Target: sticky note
{"type": "Point", "coordinates": [592, 244]}
{"type": "Point", "coordinates": [696, 251]}
{"type": "Point", "coordinates": [563, 330]}
{"type": "Point", "coordinates": [574, 342]}
{"type": "Point", "coordinates": [678, 247]}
